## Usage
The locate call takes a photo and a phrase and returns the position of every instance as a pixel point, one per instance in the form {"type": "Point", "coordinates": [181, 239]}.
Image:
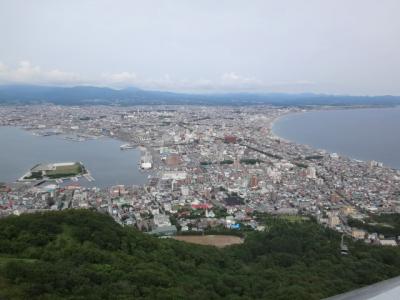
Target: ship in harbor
{"type": "Point", "coordinates": [146, 161]}
{"type": "Point", "coordinates": [74, 138]}
{"type": "Point", "coordinates": [126, 146]}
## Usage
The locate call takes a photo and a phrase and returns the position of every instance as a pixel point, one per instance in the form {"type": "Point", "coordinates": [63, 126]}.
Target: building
{"type": "Point", "coordinates": [146, 161]}
{"type": "Point", "coordinates": [230, 139]}
{"type": "Point", "coordinates": [173, 160]}
{"type": "Point", "coordinates": [164, 230]}
{"type": "Point", "coordinates": [358, 234]}
{"type": "Point", "coordinates": [253, 182]}
{"type": "Point", "coordinates": [311, 173]}
{"type": "Point", "coordinates": [387, 243]}
{"type": "Point", "coordinates": [333, 220]}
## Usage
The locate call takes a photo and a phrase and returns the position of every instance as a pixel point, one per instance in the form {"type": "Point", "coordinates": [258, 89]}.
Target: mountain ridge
{"type": "Point", "coordinates": [90, 95]}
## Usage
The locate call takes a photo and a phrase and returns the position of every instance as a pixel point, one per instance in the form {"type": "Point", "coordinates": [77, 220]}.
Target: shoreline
{"type": "Point", "coordinates": [320, 109]}
{"type": "Point", "coordinates": [86, 180]}
{"type": "Point", "coordinates": [274, 135]}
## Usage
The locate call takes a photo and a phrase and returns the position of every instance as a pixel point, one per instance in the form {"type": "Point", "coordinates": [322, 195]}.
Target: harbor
{"type": "Point", "coordinates": [108, 165]}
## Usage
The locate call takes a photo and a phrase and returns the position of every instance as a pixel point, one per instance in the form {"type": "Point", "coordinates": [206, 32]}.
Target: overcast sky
{"type": "Point", "coordinates": [324, 46]}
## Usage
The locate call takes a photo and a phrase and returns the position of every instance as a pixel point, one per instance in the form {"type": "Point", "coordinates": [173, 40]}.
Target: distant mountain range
{"type": "Point", "coordinates": [90, 95]}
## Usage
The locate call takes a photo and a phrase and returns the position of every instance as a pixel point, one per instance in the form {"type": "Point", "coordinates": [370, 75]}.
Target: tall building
{"type": "Point", "coordinates": [253, 182]}
{"type": "Point", "coordinates": [230, 139]}
{"type": "Point", "coordinates": [311, 172]}
{"type": "Point", "coordinates": [146, 161]}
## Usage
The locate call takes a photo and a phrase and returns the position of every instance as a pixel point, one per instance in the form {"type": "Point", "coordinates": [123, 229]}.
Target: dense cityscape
{"type": "Point", "coordinates": [207, 167]}
{"type": "Point", "coordinates": [200, 150]}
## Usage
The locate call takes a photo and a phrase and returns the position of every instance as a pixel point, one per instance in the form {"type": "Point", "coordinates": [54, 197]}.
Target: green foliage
{"type": "Point", "coordinates": [60, 175]}
{"type": "Point", "coordinates": [251, 161]}
{"type": "Point", "coordinates": [66, 170]}
{"type": "Point", "coordinates": [78, 254]}
{"type": "Point", "coordinates": [317, 157]}
{"type": "Point", "coordinates": [221, 230]}
{"type": "Point", "coordinates": [35, 175]}
{"type": "Point", "coordinates": [226, 162]}
{"type": "Point", "coordinates": [220, 212]}
{"type": "Point", "coordinates": [301, 165]}
{"type": "Point", "coordinates": [59, 172]}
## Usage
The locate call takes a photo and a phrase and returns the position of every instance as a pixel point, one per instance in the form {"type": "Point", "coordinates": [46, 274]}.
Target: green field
{"type": "Point", "coordinates": [294, 218]}
{"type": "Point", "coordinates": [59, 172]}
{"type": "Point", "coordinates": [65, 171]}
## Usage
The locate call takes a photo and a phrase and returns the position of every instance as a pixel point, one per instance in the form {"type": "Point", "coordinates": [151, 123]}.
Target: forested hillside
{"type": "Point", "coordinates": [80, 254]}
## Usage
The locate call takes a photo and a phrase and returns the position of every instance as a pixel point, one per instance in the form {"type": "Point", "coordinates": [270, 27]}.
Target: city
{"type": "Point", "coordinates": [199, 150]}
{"type": "Point", "coordinates": [208, 168]}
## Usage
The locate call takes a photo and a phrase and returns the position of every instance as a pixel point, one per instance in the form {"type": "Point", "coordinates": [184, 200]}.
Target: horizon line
{"type": "Point", "coordinates": [197, 92]}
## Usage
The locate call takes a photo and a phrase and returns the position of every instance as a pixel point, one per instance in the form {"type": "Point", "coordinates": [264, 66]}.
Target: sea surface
{"type": "Point", "coordinates": [20, 150]}
{"type": "Point", "coordinates": [364, 134]}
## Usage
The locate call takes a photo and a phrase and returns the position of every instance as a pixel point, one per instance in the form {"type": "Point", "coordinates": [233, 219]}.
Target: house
{"type": "Point", "coordinates": [164, 231]}
{"type": "Point", "coordinates": [388, 243]}
{"type": "Point", "coordinates": [358, 234]}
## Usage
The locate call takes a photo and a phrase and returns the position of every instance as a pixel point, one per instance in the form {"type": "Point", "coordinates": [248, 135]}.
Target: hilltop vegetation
{"type": "Point", "coordinates": [80, 254]}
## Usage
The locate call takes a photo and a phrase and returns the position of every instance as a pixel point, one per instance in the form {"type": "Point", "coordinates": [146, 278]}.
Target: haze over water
{"type": "Point", "coordinates": [20, 151]}
{"type": "Point", "coordinates": [365, 134]}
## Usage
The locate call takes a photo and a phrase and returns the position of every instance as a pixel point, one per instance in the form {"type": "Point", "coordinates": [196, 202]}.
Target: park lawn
{"type": "Point", "coordinates": [69, 170]}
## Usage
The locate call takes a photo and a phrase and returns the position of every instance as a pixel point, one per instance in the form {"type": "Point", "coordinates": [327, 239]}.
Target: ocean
{"type": "Point", "coordinates": [364, 134]}
{"type": "Point", "coordinates": [20, 150]}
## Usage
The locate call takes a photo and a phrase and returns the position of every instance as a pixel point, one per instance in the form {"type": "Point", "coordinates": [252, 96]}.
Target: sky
{"type": "Point", "coordinates": [291, 46]}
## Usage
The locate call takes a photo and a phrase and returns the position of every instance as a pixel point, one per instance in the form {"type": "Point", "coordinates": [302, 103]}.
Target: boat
{"type": "Point", "coordinates": [126, 146]}
{"type": "Point", "coordinates": [75, 139]}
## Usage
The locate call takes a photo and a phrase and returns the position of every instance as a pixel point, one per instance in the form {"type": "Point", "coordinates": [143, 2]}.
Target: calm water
{"type": "Point", "coordinates": [20, 150]}
{"type": "Point", "coordinates": [365, 134]}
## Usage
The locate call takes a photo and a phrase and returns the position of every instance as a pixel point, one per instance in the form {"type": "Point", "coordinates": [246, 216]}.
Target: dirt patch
{"type": "Point", "coordinates": [219, 241]}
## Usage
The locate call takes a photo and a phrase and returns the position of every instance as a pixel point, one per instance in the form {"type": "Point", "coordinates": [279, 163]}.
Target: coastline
{"type": "Point", "coordinates": [274, 135]}
{"type": "Point", "coordinates": [88, 179]}
{"type": "Point", "coordinates": [320, 109]}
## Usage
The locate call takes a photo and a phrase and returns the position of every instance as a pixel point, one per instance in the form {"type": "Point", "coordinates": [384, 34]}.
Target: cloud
{"type": "Point", "coordinates": [229, 81]}
{"type": "Point", "coordinates": [3, 68]}
{"type": "Point", "coordinates": [233, 78]}
{"type": "Point", "coordinates": [27, 73]}
{"type": "Point", "coordinates": [122, 79]}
